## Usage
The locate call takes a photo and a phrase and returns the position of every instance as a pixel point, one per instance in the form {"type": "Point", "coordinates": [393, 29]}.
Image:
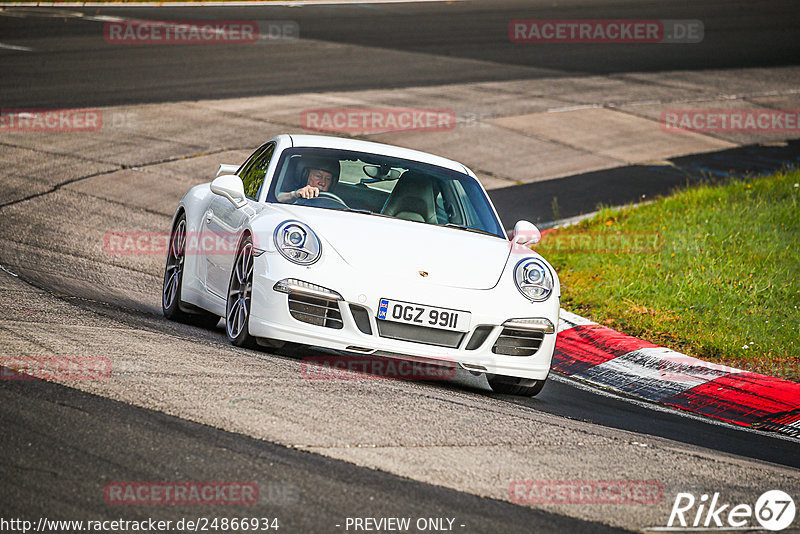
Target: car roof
{"type": "Point", "coordinates": [326, 141]}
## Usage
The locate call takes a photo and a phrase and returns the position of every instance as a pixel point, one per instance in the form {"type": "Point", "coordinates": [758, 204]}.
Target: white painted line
{"type": "Point", "coordinates": [104, 18]}
{"type": "Point", "coordinates": [263, 26]}
{"type": "Point", "coordinates": [574, 108]}
{"type": "Point", "coordinates": [15, 47]}
{"type": "Point", "coordinates": [571, 221]}
{"type": "Point", "coordinates": [9, 272]}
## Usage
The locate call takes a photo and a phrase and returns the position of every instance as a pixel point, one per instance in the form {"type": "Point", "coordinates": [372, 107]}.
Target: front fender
{"type": "Point", "coordinates": [193, 204]}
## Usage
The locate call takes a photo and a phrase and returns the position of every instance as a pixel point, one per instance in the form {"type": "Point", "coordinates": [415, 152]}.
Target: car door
{"type": "Point", "coordinates": [223, 223]}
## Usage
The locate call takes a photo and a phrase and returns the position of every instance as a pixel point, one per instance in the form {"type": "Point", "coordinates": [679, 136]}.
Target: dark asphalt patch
{"type": "Point", "coordinates": [583, 193]}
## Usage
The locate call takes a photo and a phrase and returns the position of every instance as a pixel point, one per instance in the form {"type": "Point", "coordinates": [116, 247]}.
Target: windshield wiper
{"type": "Point", "coordinates": [470, 229]}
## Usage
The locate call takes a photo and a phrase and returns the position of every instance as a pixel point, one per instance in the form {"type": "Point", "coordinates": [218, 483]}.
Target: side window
{"type": "Point", "coordinates": [255, 170]}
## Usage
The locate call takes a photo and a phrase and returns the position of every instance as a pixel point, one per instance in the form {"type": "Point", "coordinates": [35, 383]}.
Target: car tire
{"type": "Point", "coordinates": [240, 290]}
{"type": "Point", "coordinates": [173, 280]}
{"type": "Point", "coordinates": [511, 385]}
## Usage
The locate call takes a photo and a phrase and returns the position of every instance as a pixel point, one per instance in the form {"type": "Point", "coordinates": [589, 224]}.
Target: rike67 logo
{"type": "Point", "coordinates": [774, 510]}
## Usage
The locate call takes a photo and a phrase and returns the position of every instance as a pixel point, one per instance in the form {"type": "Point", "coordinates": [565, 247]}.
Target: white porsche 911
{"type": "Point", "coordinates": [364, 249]}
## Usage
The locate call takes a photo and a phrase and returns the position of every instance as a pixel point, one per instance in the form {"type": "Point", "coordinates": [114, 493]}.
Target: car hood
{"type": "Point", "coordinates": [405, 249]}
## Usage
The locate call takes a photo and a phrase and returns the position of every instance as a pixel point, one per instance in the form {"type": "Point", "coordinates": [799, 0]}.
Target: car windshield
{"type": "Point", "coordinates": [382, 185]}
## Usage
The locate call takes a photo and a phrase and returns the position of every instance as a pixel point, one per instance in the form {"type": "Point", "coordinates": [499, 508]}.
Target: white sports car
{"type": "Point", "coordinates": [364, 249]}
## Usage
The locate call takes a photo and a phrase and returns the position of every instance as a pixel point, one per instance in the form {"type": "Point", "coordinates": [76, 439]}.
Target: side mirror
{"type": "Point", "coordinates": [225, 168]}
{"type": "Point", "coordinates": [231, 187]}
{"type": "Point", "coordinates": [525, 233]}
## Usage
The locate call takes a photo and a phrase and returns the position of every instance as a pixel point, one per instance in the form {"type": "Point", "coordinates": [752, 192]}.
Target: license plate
{"type": "Point", "coordinates": [421, 315]}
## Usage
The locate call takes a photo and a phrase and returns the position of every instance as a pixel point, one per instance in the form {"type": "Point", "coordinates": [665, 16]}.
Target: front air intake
{"type": "Point", "coordinates": [316, 311]}
{"type": "Point", "coordinates": [514, 342]}
{"type": "Point", "coordinates": [479, 337]}
{"type": "Point", "coordinates": [361, 317]}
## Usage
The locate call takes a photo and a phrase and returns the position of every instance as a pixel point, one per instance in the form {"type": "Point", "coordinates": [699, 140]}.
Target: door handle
{"type": "Point", "coordinates": [209, 215]}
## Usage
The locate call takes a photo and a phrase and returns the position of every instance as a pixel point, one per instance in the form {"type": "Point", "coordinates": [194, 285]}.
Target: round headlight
{"type": "Point", "coordinates": [533, 274]}
{"type": "Point", "coordinates": [533, 279]}
{"type": "Point", "coordinates": [297, 242]}
{"type": "Point", "coordinates": [295, 236]}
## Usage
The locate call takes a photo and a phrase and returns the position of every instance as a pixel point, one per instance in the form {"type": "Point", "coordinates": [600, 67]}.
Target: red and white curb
{"type": "Point", "coordinates": [603, 357]}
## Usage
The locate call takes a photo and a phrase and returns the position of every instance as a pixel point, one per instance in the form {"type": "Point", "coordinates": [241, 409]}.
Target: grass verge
{"type": "Point", "coordinates": [711, 271]}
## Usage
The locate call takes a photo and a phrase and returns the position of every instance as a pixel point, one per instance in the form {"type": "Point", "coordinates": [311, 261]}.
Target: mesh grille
{"type": "Point", "coordinates": [316, 311]}
{"type": "Point", "coordinates": [518, 342]}
{"type": "Point", "coordinates": [419, 334]}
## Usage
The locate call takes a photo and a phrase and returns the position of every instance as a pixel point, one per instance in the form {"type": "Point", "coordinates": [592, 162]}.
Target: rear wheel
{"type": "Point", "coordinates": [240, 290]}
{"type": "Point", "coordinates": [173, 279]}
{"type": "Point", "coordinates": [512, 385]}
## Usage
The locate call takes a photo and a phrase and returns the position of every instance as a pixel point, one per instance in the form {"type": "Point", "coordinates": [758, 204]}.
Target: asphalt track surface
{"type": "Point", "coordinates": [71, 64]}
{"type": "Point", "coordinates": [65, 437]}
{"type": "Point", "coordinates": [47, 427]}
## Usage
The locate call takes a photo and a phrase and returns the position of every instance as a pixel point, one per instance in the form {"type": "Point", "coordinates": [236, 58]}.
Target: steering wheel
{"type": "Point", "coordinates": [323, 196]}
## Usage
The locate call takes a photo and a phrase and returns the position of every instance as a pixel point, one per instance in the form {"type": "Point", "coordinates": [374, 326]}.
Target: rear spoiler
{"type": "Point", "coordinates": [224, 168]}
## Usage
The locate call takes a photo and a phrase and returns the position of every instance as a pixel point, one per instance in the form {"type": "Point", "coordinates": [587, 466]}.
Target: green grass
{"type": "Point", "coordinates": [711, 271]}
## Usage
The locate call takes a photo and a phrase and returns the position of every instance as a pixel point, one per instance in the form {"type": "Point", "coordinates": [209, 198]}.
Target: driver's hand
{"type": "Point", "coordinates": [308, 191]}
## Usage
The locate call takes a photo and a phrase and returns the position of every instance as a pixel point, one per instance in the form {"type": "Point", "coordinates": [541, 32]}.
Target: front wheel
{"type": "Point", "coordinates": [511, 385]}
{"type": "Point", "coordinates": [173, 279]}
{"type": "Point", "coordinates": [240, 290]}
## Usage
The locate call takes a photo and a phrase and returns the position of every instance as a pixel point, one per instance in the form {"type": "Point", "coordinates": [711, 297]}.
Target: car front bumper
{"type": "Point", "coordinates": [271, 317]}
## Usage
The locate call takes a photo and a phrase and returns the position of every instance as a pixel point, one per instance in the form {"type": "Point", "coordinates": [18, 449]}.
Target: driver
{"type": "Point", "coordinates": [320, 175]}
